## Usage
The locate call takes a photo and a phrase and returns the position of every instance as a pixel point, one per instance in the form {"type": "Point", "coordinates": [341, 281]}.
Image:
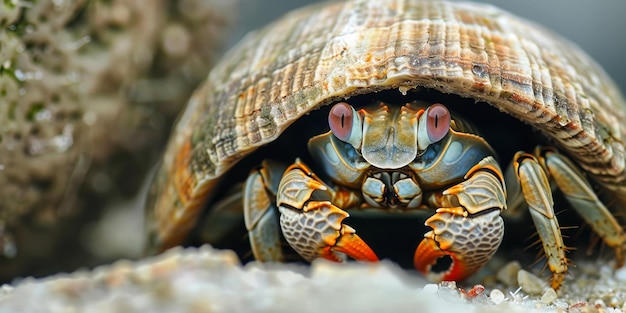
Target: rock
{"type": "Point", "coordinates": [530, 283]}
{"type": "Point", "coordinates": [496, 296]}
{"type": "Point", "coordinates": [548, 296]}
{"type": "Point", "coordinates": [87, 93]}
{"type": "Point", "coordinates": [430, 289]}
{"type": "Point", "coordinates": [508, 273]}
{"type": "Point", "coordinates": [620, 274]}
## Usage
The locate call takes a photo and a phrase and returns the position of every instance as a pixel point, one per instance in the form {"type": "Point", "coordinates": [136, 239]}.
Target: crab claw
{"type": "Point", "coordinates": [349, 244]}
{"type": "Point", "coordinates": [318, 231]}
{"type": "Point", "coordinates": [428, 253]}
{"type": "Point", "coordinates": [467, 243]}
{"type": "Point", "coordinates": [311, 223]}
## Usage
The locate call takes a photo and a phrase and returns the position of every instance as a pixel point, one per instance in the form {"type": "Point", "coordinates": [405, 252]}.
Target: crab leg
{"type": "Point", "coordinates": [312, 224]}
{"type": "Point", "coordinates": [583, 199]}
{"type": "Point", "coordinates": [260, 212]}
{"type": "Point", "coordinates": [535, 187]}
{"type": "Point", "coordinates": [532, 172]}
{"type": "Point", "coordinates": [467, 227]}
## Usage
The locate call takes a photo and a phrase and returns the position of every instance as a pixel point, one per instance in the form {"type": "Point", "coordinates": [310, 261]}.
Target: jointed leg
{"type": "Point", "coordinates": [534, 174]}
{"type": "Point", "coordinates": [584, 200]}
{"type": "Point", "coordinates": [533, 184]}
{"type": "Point", "coordinates": [261, 214]}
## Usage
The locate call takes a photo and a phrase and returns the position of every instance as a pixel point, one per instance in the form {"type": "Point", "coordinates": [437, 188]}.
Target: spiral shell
{"type": "Point", "coordinates": [322, 53]}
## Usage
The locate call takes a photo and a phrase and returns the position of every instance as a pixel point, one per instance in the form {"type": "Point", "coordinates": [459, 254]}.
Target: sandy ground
{"type": "Point", "coordinates": [208, 280]}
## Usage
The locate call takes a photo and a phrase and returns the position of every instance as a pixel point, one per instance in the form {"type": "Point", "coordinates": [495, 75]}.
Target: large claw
{"type": "Point", "coordinates": [466, 242]}
{"type": "Point", "coordinates": [467, 228]}
{"type": "Point", "coordinates": [317, 231]}
{"type": "Point", "coordinates": [312, 224]}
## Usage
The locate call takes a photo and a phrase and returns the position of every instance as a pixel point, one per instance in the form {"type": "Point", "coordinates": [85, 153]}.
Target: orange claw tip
{"type": "Point", "coordinates": [426, 256]}
{"type": "Point", "coordinates": [354, 247]}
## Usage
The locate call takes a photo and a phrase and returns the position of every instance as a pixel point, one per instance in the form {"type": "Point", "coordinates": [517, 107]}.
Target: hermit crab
{"type": "Point", "coordinates": [458, 110]}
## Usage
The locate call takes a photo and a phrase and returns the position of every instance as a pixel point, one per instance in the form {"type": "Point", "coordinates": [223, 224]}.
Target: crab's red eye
{"type": "Point", "coordinates": [437, 122]}
{"type": "Point", "coordinates": [340, 120]}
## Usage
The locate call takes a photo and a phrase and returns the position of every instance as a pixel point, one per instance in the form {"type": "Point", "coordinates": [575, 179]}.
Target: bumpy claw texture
{"type": "Point", "coordinates": [469, 242]}
{"type": "Point", "coordinates": [317, 231]}
{"type": "Point", "coordinates": [467, 226]}
{"type": "Point", "coordinates": [313, 226]}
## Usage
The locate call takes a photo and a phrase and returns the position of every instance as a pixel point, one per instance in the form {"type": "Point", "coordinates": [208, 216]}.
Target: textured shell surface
{"type": "Point", "coordinates": [319, 54]}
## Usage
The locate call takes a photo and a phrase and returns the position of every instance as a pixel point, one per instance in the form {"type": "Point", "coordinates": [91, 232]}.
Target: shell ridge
{"type": "Point", "coordinates": [355, 47]}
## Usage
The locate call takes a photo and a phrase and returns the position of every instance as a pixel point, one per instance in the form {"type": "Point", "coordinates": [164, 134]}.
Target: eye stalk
{"type": "Point", "coordinates": [345, 123]}
{"type": "Point", "coordinates": [434, 124]}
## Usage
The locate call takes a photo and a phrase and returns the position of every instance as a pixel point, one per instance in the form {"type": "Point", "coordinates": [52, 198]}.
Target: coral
{"type": "Point", "coordinates": [85, 85]}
